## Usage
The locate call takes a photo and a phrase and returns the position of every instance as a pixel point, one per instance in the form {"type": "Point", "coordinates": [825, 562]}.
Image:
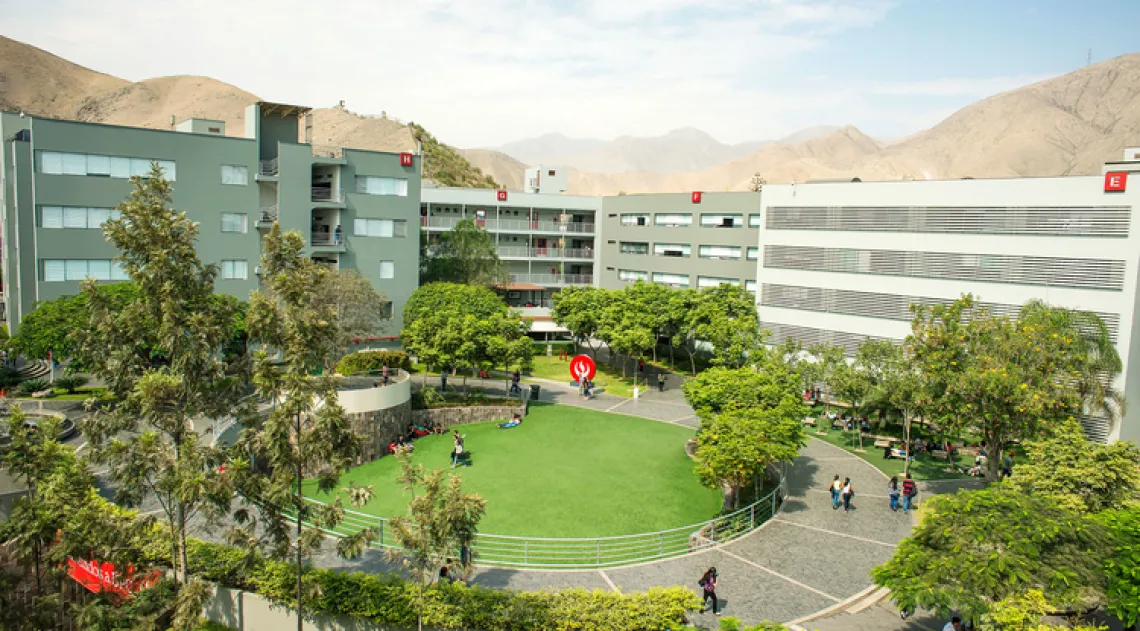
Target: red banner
{"type": "Point", "coordinates": [102, 577]}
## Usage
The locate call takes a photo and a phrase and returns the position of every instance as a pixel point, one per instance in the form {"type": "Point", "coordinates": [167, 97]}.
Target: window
{"type": "Point", "coordinates": [372, 185]}
{"type": "Point", "coordinates": [380, 228]}
{"type": "Point", "coordinates": [634, 248]}
{"type": "Point", "coordinates": [675, 280]}
{"type": "Point", "coordinates": [635, 220]}
{"type": "Point", "coordinates": [714, 281]}
{"type": "Point", "coordinates": [387, 269]}
{"type": "Point", "coordinates": [750, 285]}
{"type": "Point", "coordinates": [719, 252]}
{"type": "Point", "coordinates": [754, 221]}
{"type": "Point", "coordinates": [753, 254]}
{"type": "Point", "coordinates": [673, 221]}
{"type": "Point", "coordinates": [58, 163]}
{"type": "Point", "coordinates": [386, 310]}
{"type": "Point", "coordinates": [235, 270]}
{"type": "Point", "coordinates": [234, 222]}
{"type": "Point", "coordinates": [671, 249]}
{"type": "Point", "coordinates": [629, 275]}
{"type": "Point", "coordinates": [58, 270]}
{"type": "Point", "coordinates": [234, 174]}
{"type": "Point", "coordinates": [722, 221]}
{"type": "Point", "coordinates": [56, 217]}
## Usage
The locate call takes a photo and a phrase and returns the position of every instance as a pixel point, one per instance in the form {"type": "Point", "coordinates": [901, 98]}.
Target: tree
{"type": "Point", "coordinates": [626, 328]}
{"type": "Point", "coordinates": [160, 354]}
{"type": "Point", "coordinates": [49, 328]}
{"type": "Point", "coordinates": [1025, 612]}
{"type": "Point", "coordinates": [719, 390]}
{"type": "Point", "coordinates": [679, 322]}
{"type": "Point", "coordinates": [823, 361]}
{"type": "Point", "coordinates": [440, 525]}
{"type": "Point", "coordinates": [580, 309]}
{"type": "Point", "coordinates": [725, 317]}
{"type": "Point", "coordinates": [1078, 474]}
{"type": "Point", "coordinates": [431, 298]}
{"type": "Point", "coordinates": [735, 447]}
{"type": "Point", "coordinates": [1122, 566]}
{"type": "Point", "coordinates": [977, 548]}
{"type": "Point", "coordinates": [306, 431]}
{"type": "Point", "coordinates": [361, 311]}
{"type": "Point", "coordinates": [466, 254]}
{"type": "Point", "coordinates": [1012, 380]}
{"type": "Point", "coordinates": [757, 182]}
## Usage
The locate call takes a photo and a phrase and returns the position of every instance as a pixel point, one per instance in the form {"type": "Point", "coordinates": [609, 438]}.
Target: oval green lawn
{"type": "Point", "coordinates": [565, 472]}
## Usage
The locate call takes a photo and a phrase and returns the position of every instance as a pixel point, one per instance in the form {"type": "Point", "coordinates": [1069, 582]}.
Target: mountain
{"type": "Point", "coordinates": [505, 169]}
{"type": "Point", "coordinates": [554, 149]}
{"type": "Point", "coordinates": [41, 84]}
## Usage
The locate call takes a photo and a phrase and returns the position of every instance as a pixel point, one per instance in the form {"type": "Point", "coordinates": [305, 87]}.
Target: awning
{"type": "Point", "coordinates": [546, 326]}
{"type": "Point", "coordinates": [522, 287]}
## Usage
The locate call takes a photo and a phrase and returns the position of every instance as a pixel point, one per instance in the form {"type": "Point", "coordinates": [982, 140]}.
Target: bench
{"type": "Point", "coordinates": [809, 421]}
{"type": "Point", "coordinates": [883, 443]}
{"type": "Point", "coordinates": [940, 454]}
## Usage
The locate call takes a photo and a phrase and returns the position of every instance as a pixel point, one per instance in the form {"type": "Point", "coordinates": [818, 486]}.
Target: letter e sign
{"type": "Point", "coordinates": [1115, 182]}
{"type": "Point", "coordinates": [501, 196]}
{"type": "Point", "coordinates": [696, 197]}
{"type": "Point", "coordinates": [406, 159]}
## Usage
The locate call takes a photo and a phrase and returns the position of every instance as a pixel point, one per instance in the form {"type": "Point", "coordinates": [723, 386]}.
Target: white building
{"type": "Point", "coordinates": [841, 262]}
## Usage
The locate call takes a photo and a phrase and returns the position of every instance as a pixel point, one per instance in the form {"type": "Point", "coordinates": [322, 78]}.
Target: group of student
{"type": "Point", "coordinates": [406, 439]}
{"type": "Point", "coordinates": [900, 495]}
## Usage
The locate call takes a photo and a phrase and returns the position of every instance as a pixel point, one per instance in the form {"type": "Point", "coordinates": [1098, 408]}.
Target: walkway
{"type": "Point", "coordinates": [809, 559]}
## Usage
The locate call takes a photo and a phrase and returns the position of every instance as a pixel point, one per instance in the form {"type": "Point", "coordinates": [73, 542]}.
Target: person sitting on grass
{"type": "Point", "coordinates": [515, 421]}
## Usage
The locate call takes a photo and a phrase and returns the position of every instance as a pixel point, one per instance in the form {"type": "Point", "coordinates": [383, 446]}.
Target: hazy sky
{"type": "Point", "coordinates": [485, 72]}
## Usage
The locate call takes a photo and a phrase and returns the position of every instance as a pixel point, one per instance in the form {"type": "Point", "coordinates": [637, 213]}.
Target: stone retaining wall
{"type": "Point", "coordinates": [378, 428]}
{"type": "Point", "coordinates": [448, 417]}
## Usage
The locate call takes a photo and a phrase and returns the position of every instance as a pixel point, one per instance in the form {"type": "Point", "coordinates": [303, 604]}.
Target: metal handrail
{"type": "Point", "coordinates": [322, 194]}
{"type": "Point", "coordinates": [512, 551]}
{"type": "Point", "coordinates": [267, 167]}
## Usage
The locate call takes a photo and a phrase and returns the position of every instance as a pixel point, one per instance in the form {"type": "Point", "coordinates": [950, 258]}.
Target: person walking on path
{"type": "Point", "coordinates": [909, 491]}
{"type": "Point", "coordinates": [848, 492]}
{"type": "Point", "coordinates": [1007, 465]}
{"type": "Point", "coordinates": [708, 584]}
{"type": "Point", "coordinates": [456, 449]}
{"type": "Point", "coordinates": [893, 492]}
{"type": "Point", "coordinates": [836, 487]}
{"type": "Point", "coordinates": [661, 382]}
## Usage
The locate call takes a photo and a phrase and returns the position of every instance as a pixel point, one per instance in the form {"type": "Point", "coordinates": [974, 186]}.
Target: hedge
{"type": "Point", "coordinates": [369, 361]}
{"type": "Point", "coordinates": [568, 346]}
{"type": "Point", "coordinates": [388, 599]}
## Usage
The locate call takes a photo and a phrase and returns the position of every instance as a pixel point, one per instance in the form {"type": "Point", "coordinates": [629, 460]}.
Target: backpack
{"type": "Point", "coordinates": [910, 489]}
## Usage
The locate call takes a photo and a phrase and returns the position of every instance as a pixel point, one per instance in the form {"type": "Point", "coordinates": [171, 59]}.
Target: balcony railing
{"type": "Point", "coordinates": [267, 167]}
{"type": "Point", "coordinates": [523, 252]}
{"type": "Point", "coordinates": [328, 151]}
{"type": "Point", "coordinates": [553, 280]}
{"type": "Point", "coordinates": [445, 223]}
{"type": "Point", "coordinates": [321, 238]}
{"type": "Point", "coordinates": [514, 252]}
{"type": "Point", "coordinates": [511, 225]}
{"type": "Point", "coordinates": [267, 214]}
{"type": "Point", "coordinates": [322, 194]}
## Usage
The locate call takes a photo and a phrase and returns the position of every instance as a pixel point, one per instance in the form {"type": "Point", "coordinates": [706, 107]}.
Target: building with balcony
{"type": "Point", "coordinates": [547, 240]}
{"type": "Point", "coordinates": [60, 180]}
{"type": "Point", "coordinates": [680, 239]}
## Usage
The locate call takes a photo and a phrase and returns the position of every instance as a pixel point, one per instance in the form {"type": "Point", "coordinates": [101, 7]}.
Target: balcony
{"type": "Point", "coordinates": [511, 225]}
{"type": "Point", "coordinates": [553, 280]}
{"type": "Point", "coordinates": [326, 195]}
{"type": "Point", "coordinates": [523, 252]}
{"type": "Point", "coordinates": [439, 223]}
{"type": "Point", "coordinates": [326, 241]}
{"type": "Point", "coordinates": [267, 168]}
{"type": "Point", "coordinates": [267, 216]}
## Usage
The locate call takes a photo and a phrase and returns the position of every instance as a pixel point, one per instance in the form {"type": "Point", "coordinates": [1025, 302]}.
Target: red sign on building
{"type": "Point", "coordinates": [581, 367]}
{"type": "Point", "coordinates": [1115, 182]}
{"type": "Point", "coordinates": [501, 196]}
{"type": "Point", "coordinates": [696, 197]}
{"type": "Point", "coordinates": [103, 577]}
{"type": "Point", "coordinates": [406, 159]}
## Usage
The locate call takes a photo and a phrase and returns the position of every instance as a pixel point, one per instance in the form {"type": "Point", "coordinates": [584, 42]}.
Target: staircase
{"type": "Point", "coordinates": [36, 369]}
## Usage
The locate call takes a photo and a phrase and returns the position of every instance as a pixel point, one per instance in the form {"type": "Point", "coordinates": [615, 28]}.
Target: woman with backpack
{"type": "Point", "coordinates": [708, 584]}
{"type": "Point", "coordinates": [848, 493]}
{"type": "Point", "coordinates": [909, 491]}
{"type": "Point", "coordinates": [893, 492]}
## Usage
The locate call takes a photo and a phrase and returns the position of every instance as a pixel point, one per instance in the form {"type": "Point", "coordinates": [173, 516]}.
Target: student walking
{"type": "Point", "coordinates": [893, 492]}
{"type": "Point", "coordinates": [1007, 465]}
{"type": "Point", "coordinates": [708, 584]}
{"type": "Point", "coordinates": [836, 487]}
{"type": "Point", "coordinates": [909, 491]}
{"type": "Point", "coordinates": [848, 492]}
{"type": "Point", "coordinates": [456, 449]}
{"type": "Point", "coordinates": [661, 382]}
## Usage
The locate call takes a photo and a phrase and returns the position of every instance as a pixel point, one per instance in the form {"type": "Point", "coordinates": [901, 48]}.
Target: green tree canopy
{"type": "Point", "coordinates": [735, 447]}
{"type": "Point", "coordinates": [50, 326]}
{"type": "Point", "coordinates": [580, 308]}
{"type": "Point", "coordinates": [1122, 566]}
{"type": "Point", "coordinates": [466, 254]}
{"type": "Point", "coordinates": [719, 390]}
{"type": "Point", "coordinates": [361, 311]}
{"type": "Point", "coordinates": [725, 317]}
{"type": "Point", "coordinates": [1078, 474]}
{"type": "Point", "coordinates": [432, 298]}
{"type": "Point", "coordinates": [976, 548]}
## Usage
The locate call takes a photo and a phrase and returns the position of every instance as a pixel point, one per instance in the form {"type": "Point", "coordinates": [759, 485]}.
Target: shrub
{"type": "Point", "coordinates": [8, 377]}
{"type": "Point", "coordinates": [368, 361]}
{"type": "Point", "coordinates": [71, 383]}
{"type": "Point", "coordinates": [33, 386]}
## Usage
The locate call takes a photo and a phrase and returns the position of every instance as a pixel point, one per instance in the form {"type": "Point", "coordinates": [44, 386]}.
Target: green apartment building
{"type": "Point", "coordinates": [680, 240]}
{"type": "Point", "coordinates": [60, 180]}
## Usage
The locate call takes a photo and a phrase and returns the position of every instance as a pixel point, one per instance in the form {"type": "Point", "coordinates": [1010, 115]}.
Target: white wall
{"type": "Point", "coordinates": [371, 399]}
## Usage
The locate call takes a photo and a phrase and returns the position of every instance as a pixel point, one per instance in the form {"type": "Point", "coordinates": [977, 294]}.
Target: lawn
{"type": "Point", "coordinates": [607, 380]}
{"type": "Point", "coordinates": [81, 394]}
{"type": "Point", "coordinates": [565, 472]}
{"type": "Point", "coordinates": [923, 468]}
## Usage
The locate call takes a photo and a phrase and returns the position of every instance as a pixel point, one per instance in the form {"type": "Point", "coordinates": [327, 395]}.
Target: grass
{"type": "Point", "coordinates": [81, 394]}
{"type": "Point", "coordinates": [923, 468]}
{"type": "Point", "coordinates": [608, 379]}
{"type": "Point", "coordinates": [565, 472]}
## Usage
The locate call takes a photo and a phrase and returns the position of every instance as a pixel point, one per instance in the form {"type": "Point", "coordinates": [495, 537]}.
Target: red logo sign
{"type": "Point", "coordinates": [406, 159]}
{"type": "Point", "coordinates": [696, 197]}
{"type": "Point", "coordinates": [102, 577]}
{"type": "Point", "coordinates": [1115, 182]}
{"type": "Point", "coordinates": [501, 196]}
{"type": "Point", "coordinates": [583, 366]}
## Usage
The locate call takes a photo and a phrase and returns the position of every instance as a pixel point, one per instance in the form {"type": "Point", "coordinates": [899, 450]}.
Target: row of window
{"type": "Point", "coordinates": [681, 280]}
{"type": "Point", "coordinates": [59, 270]}
{"type": "Point", "coordinates": [682, 220]}
{"type": "Point", "coordinates": [683, 250]}
{"type": "Point", "coordinates": [59, 163]}
{"type": "Point", "coordinates": [372, 185]}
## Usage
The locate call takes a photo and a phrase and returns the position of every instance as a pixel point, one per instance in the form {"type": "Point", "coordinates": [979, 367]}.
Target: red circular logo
{"type": "Point", "coordinates": [583, 366]}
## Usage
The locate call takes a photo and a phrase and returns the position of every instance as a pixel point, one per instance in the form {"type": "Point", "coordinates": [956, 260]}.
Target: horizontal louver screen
{"type": "Point", "coordinates": [877, 305]}
{"type": "Point", "coordinates": [998, 268]}
{"type": "Point", "coordinates": [808, 336]}
{"type": "Point", "coordinates": [1099, 221]}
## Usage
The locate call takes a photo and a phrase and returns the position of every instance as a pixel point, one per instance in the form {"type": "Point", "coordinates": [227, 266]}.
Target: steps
{"type": "Point", "coordinates": [37, 369]}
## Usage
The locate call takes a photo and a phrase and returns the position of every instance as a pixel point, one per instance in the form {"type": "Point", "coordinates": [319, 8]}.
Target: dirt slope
{"type": "Point", "coordinates": [39, 83]}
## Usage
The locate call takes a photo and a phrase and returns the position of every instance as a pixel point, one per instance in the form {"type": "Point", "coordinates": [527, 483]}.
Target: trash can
{"type": "Point", "coordinates": [534, 388]}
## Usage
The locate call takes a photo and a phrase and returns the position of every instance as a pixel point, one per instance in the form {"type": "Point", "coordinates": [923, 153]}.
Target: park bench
{"type": "Point", "coordinates": [940, 454]}
{"type": "Point", "coordinates": [809, 421]}
{"type": "Point", "coordinates": [883, 443]}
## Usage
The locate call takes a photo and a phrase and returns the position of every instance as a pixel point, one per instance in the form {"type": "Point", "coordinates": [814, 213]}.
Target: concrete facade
{"type": "Point", "coordinates": [674, 239]}
{"type": "Point", "coordinates": [59, 180]}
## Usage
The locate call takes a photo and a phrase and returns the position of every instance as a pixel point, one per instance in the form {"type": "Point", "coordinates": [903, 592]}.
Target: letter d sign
{"type": "Point", "coordinates": [1115, 182]}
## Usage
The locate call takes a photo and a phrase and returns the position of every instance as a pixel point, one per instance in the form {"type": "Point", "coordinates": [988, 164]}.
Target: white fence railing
{"type": "Point", "coordinates": [553, 279]}
{"type": "Point", "coordinates": [511, 225]}
{"type": "Point", "coordinates": [523, 252]}
{"type": "Point", "coordinates": [592, 552]}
